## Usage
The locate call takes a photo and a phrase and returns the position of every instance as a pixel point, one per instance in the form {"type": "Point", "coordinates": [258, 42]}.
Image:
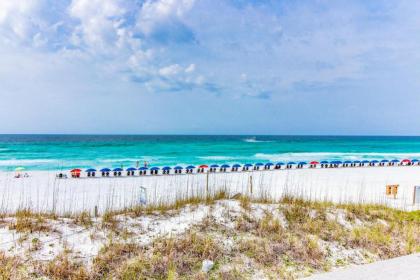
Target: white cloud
{"type": "Point", "coordinates": [190, 68]}
{"type": "Point", "coordinates": [19, 18]}
{"type": "Point", "coordinates": [100, 22]}
{"type": "Point", "coordinates": [154, 12]}
{"type": "Point", "coordinates": [170, 70]}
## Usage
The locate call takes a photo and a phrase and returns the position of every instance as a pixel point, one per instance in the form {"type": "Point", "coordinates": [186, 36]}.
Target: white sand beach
{"type": "Point", "coordinates": [43, 192]}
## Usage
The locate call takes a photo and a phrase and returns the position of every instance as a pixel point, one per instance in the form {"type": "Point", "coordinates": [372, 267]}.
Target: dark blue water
{"type": "Point", "coordinates": [54, 152]}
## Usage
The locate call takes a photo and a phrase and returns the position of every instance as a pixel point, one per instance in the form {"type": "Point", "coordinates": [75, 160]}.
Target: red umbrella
{"type": "Point", "coordinates": [76, 170]}
{"type": "Point", "coordinates": [406, 160]}
{"type": "Point", "coordinates": [203, 166]}
{"type": "Point", "coordinates": [314, 162]}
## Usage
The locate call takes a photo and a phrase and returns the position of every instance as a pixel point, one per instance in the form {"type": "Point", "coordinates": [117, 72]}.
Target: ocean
{"type": "Point", "coordinates": [62, 152]}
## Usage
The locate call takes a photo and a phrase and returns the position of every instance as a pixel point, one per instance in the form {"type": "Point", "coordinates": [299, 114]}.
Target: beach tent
{"type": "Point", "coordinates": [201, 168]}
{"type": "Point", "coordinates": [406, 161]}
{"type": "Point", "coordinates": [236, 167]}
{"type": "Point", "coordinates": [346, 163]}
{"type": "Point", "coordinates": [178, 169]}
{"type": "Point", "coordinates": [166, 169]}
{"type": "Point", "coordinates": [268, 165]}
{"type": "Point", "coordinates": [301, 164]}
{"type": "Point", "coordinates": [90, 172]}
{"type": "Point", "coordinates": [382, 162]}
{"type": "Point", "coordinates": [258, 165]}
{"type": "Point", "coordinates": [278, 165]}
{"type": "Point", "coordinates": [224, 167]}
{"type": "Point", "coordinates": [154, 170]}
{"type": "Point", "coordinates": [213, 167]}
{"type": "Point", "coordinates": [117, 171]}
{"type": "Point", "coordinates": [143, 170]}
{"type": "Point", "coordinates": [246, 166]}
{"type": "Point", "coordinates": [190, 168]}
{"type": "Point", "coordinates": [75, 173]}
{"type": "Point", "coordinates": [324, 163]}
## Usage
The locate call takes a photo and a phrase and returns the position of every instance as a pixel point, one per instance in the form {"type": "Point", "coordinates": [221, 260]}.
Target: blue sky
{"type": "Point", "coordinates": [210, 67]}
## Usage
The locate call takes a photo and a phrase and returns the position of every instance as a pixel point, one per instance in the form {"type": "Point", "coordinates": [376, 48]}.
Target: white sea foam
{"type": "Point", "coordinates": [333, 155]}
{"type": "Point", "coordinates": [25, 162]}
{"type": "Point", "coordinates": [217, 158]}
{"type": "Point", "coordinates": [254, 140]}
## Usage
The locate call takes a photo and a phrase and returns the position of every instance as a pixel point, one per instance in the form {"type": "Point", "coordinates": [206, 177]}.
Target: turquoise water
{"type": "Point", "coordinates": [61, 152]}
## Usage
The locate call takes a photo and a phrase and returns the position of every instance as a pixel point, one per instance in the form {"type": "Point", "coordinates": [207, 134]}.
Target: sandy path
{"type": "Point", "coordinates": [407, 268]}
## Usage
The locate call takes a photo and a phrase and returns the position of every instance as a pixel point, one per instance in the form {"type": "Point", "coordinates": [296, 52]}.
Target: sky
{"type": "Point", "coordinates": [210, 67]}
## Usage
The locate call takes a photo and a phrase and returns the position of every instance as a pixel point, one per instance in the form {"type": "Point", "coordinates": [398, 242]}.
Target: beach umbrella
{"type": "Point", "coordinates": [269, 164]}
{"type": "Point", "coordinates": [365, 161]}
{"type": "Point", "coordinates": [76, 170]}
{"type": "Point", "coordinates": [414, 160]}
{"type": "Point", "coordinates": [347, 162]}
{"type": "Point", "coordinates": [324, 162]}
{"type": "Point", "coordinates": [314, 162]}
{"type": "Point", "coordinates": [405, 161]}
{"type": "Point", "coordinates": [105, 170]}
{"type": "Point", "coordinates": [190, 167]}
{"type": "Point", "coordinates": [337, 162]}
{"type": "Point", "coordinates": [90, 170]}
{"type": "Point", "coordinates": [259, 164]}
{"type": "Point", "coordinates": [280, 163]}
{"type": "Point", "coordinates": [302, 163]}
{"type": "Point", "coordinates": [166, 168]}
{"type": "Point", "coordinates": [20, 168]}
{"type": "Point", "coordinates": [236, 165]}
{"type": "Point", "coordinates": [395, 161]}
{"type": "Point", "coordinates": [247, 165]}
{"type": "Point", "coordinates": [291, 163]}
{"type": "Point", "coordinates": [143, 168]}
{"type": "Point", "coordinates": [225, 166]}
{"type": "Point", "coordinates": [131, 169]}
{"type": "Point", "coordinates": [203, 166]}
{"type": "Point", "coordinates": [178, 167]}
{"type": "Point", "coordinates": [384, 160]}
{"type": "Point", "coordinates": [155, 168]}
{"type": "Point", "coordinates": [118, 169]}
{"type": "Point", "coordinates": [214, 166]}
{"type": "Point", "coordinates": [356, 161]}
{"type": "Point", "coordinates": [374, 161]}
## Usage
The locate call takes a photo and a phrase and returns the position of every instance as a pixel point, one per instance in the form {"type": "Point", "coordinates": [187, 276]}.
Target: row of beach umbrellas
{"type": "Point", "coordinates": [248, 165]}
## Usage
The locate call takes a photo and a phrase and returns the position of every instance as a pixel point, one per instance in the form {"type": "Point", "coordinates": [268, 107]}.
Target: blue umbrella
{"type": "Point", "coordinates": [302, 163]}
{"type": "Point", "coordinates": [259, 164]}
{"type": "Point", "coordinates": [131, 169]}
{"type": "Point", "coordinates": [143, 168]}
{"type": "Point", "coordinates": [154, 168]}
{"type": "Point", "coordinates": [374, 161]}
{"type": "Point", "coordinates": [269, 164]}
{"type": "Point", "coordinates": [395, 160]}
{"type": "Point", "coordinates": [105, 170]}
{"type": "Point", "coordinates": [214, 166]}
{"type": "Point", "coordinates": [365, 161]}
{"type": "Point", "coordinates": [292, 162]}
{"type": "Point", "coordinates": [178, 167]}
{"type": "Point", "coordinates": [415, 160]}
{"type": "Point", "coordinates": [347, 161]}
{"type": "Point", "coordinates": [247, 165]}
{"type": "Point", "coordinates": [166, 168]}
{"type": "Point", "coordinates": [280, 163]}
{"type": "Point", "coordinates": [225, 166]}
{"type": "Point", "coordinates": [384, 160]}
{"type": "Point", "coordinates": [324, 162]}
{"type": "Point", "coordinates": [236, 165]}
{"type": "Point", "coordinates": [356, 161]}
{"type": "Point", "coordinates": [337, 162]}
{"type": "Point", "coordinates": [117, 169]}
{"type": "Point", "coordinates": [190, 167]}
{"type": "Point", "coordinates": [90, 170]}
